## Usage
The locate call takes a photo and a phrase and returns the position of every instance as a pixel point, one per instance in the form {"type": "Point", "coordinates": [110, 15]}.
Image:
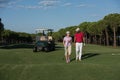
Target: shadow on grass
{"type": "Point", "coordinates": [25, 45]}
{"type": "Point", "coordinates": [16, 46]}
{"type": "Point", "coordinates": [87, 55]}
{"type": "Point", "coordinates": [58, 48]}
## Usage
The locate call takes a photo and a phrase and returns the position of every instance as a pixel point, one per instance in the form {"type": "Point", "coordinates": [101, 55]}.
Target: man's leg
{"type": "Point", "coordinates": [80, 53]}
{"type": "Point", "coordinates": [77, 51]}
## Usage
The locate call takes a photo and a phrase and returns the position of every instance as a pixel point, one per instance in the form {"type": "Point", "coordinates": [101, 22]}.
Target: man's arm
{"type": "Point", "coordinates": [83, 39]}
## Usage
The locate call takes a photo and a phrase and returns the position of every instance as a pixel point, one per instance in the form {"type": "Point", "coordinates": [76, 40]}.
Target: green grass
{"type": "Point", "coordinates": [99, 63]}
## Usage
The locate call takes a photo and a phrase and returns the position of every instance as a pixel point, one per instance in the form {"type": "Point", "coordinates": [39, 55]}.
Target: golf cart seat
{"type": "Point", "coordinates": [43, 38]}
{"type": "Point", "coordinates": [50, 38]}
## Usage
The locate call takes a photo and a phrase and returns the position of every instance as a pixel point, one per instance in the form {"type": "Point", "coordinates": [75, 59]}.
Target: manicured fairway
{"type": "Point", "coordinates": [98, 63]}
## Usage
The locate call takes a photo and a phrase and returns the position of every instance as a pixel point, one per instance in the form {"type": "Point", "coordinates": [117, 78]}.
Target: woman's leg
{"type": "Point", "coordinates": [69, 53]}
{"type": "Point", "coordinates": [66, 54]}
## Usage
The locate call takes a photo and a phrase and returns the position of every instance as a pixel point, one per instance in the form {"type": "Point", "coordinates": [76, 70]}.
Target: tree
{"type": "Point", "coordinates": [12, 37]}
{"type": "Point", "coordinates": [113, 20]}
{"type": "Point", "coordinates": [1, 28]}
{"type": "Point", "coordinates": [6, 36]}
{"type": "Point", "coordinates": [103, 29]}
{"type": "Point", "coordinates": [56, 36]}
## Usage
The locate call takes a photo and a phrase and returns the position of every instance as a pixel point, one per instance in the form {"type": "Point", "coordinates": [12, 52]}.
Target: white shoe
{"type": "Point", "coordinates": [79, 59]}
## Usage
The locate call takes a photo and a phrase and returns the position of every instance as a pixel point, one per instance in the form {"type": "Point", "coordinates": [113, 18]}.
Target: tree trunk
{"type": "Point", "coordinates": [104, 41]}
{"type": "Point", "coordinates": [107, 37]}
{"type": "Point", "coordinates": [100, 42]}
{"type": "Point", "coordinates": [114, 42]}
{"type": "Point", "coordinates": [86, 39]}
{"type": "Point", "coordinates": [0, 36]}
{"type": "Point", "coordinates": [90, 39]}
{"type": "Point", "coordinates": [95, 39]}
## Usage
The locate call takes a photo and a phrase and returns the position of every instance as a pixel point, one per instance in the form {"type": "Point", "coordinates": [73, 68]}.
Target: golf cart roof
{"type": "Point", "coordinates": [43, 29]}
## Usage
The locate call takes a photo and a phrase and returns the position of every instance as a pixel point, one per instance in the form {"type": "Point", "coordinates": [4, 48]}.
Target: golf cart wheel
{"type": "Point", "coordinates": [46, 49]}
{"type": "Point", "coordinates": [40, 48]}
{"type": "Point", "coordinates": [53, 49]}
{"type": "Point", "coordinates": [35, 49]}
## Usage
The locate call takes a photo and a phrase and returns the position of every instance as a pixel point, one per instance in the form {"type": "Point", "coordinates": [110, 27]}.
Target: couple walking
{"type": "Point", "coordinates": [78, 40]}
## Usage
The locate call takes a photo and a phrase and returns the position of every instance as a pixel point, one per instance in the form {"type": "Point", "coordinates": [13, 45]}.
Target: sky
{"type": "Point", "coordinates": [28, 15]}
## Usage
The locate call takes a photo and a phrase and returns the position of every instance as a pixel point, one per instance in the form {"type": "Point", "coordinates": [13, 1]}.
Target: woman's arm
{"type": "Point", "coordinates": [63, 42]}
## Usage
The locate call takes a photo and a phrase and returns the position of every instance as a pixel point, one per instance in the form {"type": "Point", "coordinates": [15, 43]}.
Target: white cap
{"type": "Point", "coordinates": [78, 29]}
{"type": "Point", "coordinates": [68, 32]}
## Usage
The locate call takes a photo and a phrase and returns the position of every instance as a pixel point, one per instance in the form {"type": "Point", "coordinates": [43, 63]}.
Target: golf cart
{"type": "Point", "coordinates": [44, 40]}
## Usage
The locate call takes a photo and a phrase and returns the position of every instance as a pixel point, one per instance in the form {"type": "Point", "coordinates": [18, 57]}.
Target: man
{"type": "Point", "coordinates": [79, 40]}
{"type": "Point", "coordinates": [67, 41]}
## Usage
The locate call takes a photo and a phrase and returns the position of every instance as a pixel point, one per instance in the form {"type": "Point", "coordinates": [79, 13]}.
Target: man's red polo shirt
{"type": "Point", "coordinates": [79, 37]}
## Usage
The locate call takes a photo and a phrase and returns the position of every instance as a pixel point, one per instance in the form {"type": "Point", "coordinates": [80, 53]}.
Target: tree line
{"type": "Point", "coordinates": [104, 32]}
{"type": "Point", "coordinates": [12, 37]}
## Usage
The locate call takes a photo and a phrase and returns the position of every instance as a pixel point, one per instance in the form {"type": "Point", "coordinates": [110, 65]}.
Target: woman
{"type": "Point", "coordinates": [67, 41]}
